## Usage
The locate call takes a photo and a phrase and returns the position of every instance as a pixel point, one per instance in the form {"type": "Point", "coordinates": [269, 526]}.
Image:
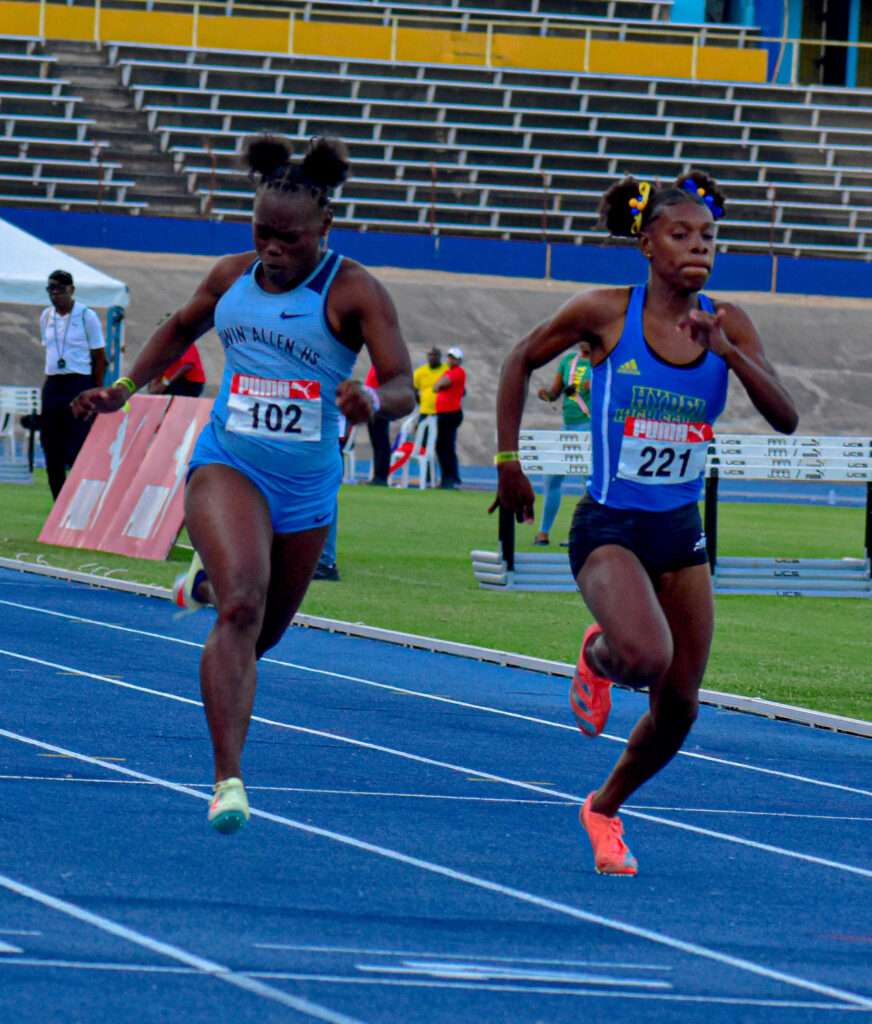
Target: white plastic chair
{"type": "Point", "coordinates": [399, 477]}
{"type": "Point", "coordinates": [14, 403]}
{"type": "Point", "coordinates": [349, 459]}
{"type": "Point", "coordinates": [423, 454]}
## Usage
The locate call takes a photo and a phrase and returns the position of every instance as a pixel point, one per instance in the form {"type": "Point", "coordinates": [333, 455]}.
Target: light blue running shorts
{"type": "Point", "coordinates": [296, 503]}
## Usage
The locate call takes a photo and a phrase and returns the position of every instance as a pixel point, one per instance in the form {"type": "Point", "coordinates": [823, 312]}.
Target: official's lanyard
{"type": "Point", "coordinates": [577, 394]}
{"type": "Point", "coordinates": [61, 344]}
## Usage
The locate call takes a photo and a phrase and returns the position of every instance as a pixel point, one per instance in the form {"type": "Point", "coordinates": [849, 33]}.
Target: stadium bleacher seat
{"type": "Point", "coordinates": [498, 152]}
{"type": "Point", "coordinates": [47, 153]}
{"type": "Point", "coordinates": [572, 134]}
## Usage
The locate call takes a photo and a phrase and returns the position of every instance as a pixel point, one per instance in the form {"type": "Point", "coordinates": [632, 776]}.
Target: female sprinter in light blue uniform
{"type": "Point", "coordinates": [660, 354]}
{"type": "Point", "coordinates": [263, 478]}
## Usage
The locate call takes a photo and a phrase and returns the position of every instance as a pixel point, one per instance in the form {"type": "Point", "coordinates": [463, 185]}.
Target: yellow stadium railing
{"type": "Point", "coordinates": [670, 51]}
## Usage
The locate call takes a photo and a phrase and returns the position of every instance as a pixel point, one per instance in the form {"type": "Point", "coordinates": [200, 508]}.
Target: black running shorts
{"type": "Point", "coordinates": [662, 541]}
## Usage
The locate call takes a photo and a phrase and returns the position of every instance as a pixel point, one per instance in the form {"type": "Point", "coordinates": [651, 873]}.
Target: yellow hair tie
{"type": "Point", "coordinates": [638, 204]}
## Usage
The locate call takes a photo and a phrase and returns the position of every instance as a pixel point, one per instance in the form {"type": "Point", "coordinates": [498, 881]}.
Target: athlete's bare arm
{"type": "Point", "coordinates": [361, 312]}
{"type": "Point", "coordinates": [596, 317]}
{"type": "Point", "coordinates": [171, 338]}
{"type": "Point", "coordinates": [730, 334]}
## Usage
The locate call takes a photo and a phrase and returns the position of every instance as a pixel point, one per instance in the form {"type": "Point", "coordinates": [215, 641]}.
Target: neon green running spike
{"type": "Point", "coordinates": [228, 811]}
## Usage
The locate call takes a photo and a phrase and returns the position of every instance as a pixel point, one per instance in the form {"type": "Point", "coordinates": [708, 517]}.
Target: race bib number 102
{"type": "Point", "coordinates": [282, 411]}
{"type": "Point", "coordinates": [655, 452]}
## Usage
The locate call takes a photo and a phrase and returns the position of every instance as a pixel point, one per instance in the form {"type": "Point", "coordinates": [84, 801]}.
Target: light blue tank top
{"type": "Point", "coordinates": [651, 420]}
{"type": "Point", "coordinates": [276, 408]}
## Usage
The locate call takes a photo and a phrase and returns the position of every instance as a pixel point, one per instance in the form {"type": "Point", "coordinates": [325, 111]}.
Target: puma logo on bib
{"type": "Point", "coordinates": [275, 410]}
{"type": "Point", "coordinates": [658, 452]}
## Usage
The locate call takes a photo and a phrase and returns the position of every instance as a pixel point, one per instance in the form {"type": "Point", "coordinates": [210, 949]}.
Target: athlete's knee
{"type": "Point", "coordinates": [242, 609]}
{"type": "Point", "coordinates": [640, 662]}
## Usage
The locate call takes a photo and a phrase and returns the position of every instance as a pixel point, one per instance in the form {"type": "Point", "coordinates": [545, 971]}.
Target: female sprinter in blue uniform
{"type": "Point", "coordinates": [263, 479]}
{"type": "Point", "coordinates": [661, 354]}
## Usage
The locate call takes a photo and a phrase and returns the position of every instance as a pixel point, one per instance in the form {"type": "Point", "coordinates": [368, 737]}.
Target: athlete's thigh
{"type": "Point", "coordinates": [229, 523]}
{"type": "Point", "coordinates": [688, 605]}
{"type": "Point", "coordinates": [293, 560]}
{"type": "Point", "coordinates": [619, 593]}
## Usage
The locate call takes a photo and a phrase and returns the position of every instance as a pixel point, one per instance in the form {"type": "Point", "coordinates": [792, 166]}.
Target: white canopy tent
{"type": "Point", "coordinates": [26, 262]}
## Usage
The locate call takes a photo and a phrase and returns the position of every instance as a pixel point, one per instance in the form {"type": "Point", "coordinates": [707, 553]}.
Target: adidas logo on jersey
{"type": "Point", "coordinates": [629, 367]}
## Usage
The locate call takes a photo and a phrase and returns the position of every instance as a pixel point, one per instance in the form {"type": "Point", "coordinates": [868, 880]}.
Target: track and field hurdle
{"type": "Point", "coordinates": [730, 457]}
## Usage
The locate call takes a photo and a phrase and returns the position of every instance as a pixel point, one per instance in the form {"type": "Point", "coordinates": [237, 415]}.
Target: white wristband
{"type": "Point", "coordinates": [373, 397]}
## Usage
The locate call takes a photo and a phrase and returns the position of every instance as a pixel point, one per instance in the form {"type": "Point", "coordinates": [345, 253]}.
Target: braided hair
{"type": "Point", "coordinates": [324, 166]}
{"type": "Point", "coordinates": [630, 206]}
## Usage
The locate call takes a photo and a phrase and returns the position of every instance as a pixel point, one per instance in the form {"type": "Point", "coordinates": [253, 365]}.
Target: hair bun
{"type": "Point", "coordinates": [265, 154]}
{"type": "Point", "coordinates": [704, 186]}
{"type": "Point", "coordinates": [326, 162]}
{"type": "Point", "coordinates": [615, 211]}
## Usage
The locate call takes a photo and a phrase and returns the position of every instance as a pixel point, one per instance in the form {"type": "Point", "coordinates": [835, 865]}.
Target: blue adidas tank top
{"type": "Point", "coordinates": [651, 420]}
{"type": "Point", "coordinates": [276, 407]}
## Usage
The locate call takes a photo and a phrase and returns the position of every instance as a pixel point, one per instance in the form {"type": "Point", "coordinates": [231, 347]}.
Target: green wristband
{"type": "Point", "coordinates": [502, 457]}
{"type": "Point", "coordinates": [126, 382]}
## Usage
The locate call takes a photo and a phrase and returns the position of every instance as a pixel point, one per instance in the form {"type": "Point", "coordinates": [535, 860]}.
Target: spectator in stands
{"type": "Point", "coordinates": [450, 389]}
{"type": "Point", "coordinates": [379, 438]}
{"type": "Point", "coordinates": [261, 491]}
{"type": "Point", "coordinates": [424, 379]}
{"type": "Point", "coordinates": [185, 376]}
{"type": "Point", "coordinates": [661, 354]}
{"type": "Point", "coordinates": [75, 358]}
{"type": "Point", "coordinates": [572, 381]}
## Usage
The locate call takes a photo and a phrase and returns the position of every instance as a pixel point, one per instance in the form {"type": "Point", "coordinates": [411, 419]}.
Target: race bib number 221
{"type": "Point", "coordinates": [656, 452]}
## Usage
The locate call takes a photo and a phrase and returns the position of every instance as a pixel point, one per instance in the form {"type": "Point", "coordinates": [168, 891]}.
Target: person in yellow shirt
{"type": "Point", "coordinates": [424, 378]}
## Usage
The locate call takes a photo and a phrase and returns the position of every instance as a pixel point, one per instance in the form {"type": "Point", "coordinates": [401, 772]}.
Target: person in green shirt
{"type": "Point", "coordinates": [572, 381]}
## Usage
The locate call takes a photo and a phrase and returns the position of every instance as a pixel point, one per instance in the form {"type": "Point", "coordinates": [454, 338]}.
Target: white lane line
{"type": "Point", "coordinates": [520, 895]}
{"type": "Point", "coordinates": [319, 791]}
{"type": "Point", "coordinates": [694, 755]}
{"type": "Point", "coordinates": [84, 965]}
{"type": "Point", "coordinates": [17, 931]}
{"type": "Point", "coordinates": [751, 814]}
{"type": "Point", "coordinates": [462, 769]}
{"type": "Point", "coordinates": [331, 979]}
{"type": "Point", "coordinates": [200, 964]}
{"type": "Point", "coordinates": [453, 970]}
{"type": "Point", "coordinates": [5, 947]}
{"type": "Point", "coordinates": [357, 951]}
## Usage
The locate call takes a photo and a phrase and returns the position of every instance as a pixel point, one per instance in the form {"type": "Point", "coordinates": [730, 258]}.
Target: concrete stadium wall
{"type": "Point", "coordinates": [610, 263]}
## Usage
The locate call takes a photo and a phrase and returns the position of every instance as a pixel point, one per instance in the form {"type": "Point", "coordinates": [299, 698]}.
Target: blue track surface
{"type": "Point", "coordinates": [416, 856]}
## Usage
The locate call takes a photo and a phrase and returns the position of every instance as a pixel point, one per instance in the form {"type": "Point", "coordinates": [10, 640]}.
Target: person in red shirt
{"type": "Point", "coordinates": [450, 389]}
{"type": "Point", "coordinates": [185, 376]}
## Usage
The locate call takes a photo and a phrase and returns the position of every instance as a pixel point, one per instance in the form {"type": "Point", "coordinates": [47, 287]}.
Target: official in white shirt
{"type": "Point", "coordinates": [75, 359]}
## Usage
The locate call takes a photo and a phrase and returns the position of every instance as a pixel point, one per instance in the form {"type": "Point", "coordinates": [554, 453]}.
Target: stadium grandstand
{"type": "Point", "coordinates": [502, 120]}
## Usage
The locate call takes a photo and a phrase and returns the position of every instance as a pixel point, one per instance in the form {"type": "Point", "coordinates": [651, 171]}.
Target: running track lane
{"type": "Point", "coordinates": [780, 912]}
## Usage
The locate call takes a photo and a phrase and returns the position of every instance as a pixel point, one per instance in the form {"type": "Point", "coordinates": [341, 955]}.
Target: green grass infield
{"type": "Point", "coordinates": [404, 559]}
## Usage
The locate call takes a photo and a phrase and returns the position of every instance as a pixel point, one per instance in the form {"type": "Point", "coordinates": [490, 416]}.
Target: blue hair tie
{"type": "Point", "coordinates": [689, 185]}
